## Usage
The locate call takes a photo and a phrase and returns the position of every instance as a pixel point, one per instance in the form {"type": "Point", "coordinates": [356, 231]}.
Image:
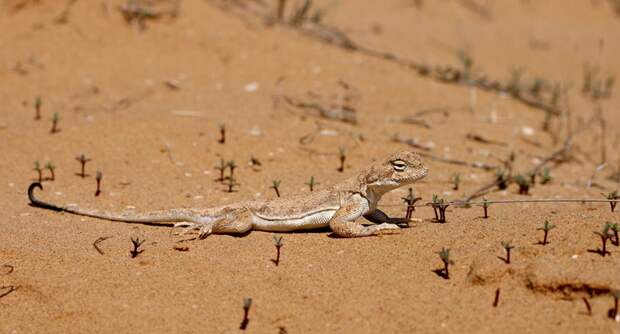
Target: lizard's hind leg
{"type": "Point", "coordinates": [204, 225]}
{"type": "Point", "coordinates": [239, 223]}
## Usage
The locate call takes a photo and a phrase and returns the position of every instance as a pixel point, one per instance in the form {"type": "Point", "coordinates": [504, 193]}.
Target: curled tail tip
{"type": "Point", "coordinates": [31, 191]}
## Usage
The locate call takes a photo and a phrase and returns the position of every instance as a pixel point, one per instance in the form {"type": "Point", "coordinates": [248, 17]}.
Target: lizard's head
{"type": "Point", "coordinates": [395, 171]}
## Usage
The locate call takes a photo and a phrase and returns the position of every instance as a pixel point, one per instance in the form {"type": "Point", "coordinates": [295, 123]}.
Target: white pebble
{"type": "Point", "coordinates": [251, 87]}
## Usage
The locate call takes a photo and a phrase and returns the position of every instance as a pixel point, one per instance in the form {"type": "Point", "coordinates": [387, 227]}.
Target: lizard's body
{"type": "Point", "coordinates": [337, 207]}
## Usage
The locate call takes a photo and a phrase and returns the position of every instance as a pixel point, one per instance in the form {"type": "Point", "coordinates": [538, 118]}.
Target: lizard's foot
{"type": "Point", "coordinates": [204, 228]}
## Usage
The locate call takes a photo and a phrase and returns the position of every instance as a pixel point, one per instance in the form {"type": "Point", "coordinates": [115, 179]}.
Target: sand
{"type": "Point", "coordinates": [146, 106]}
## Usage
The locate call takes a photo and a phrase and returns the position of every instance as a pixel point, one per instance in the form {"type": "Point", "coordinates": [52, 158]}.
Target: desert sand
{"type": "Point", "coordinates": [145, 98]}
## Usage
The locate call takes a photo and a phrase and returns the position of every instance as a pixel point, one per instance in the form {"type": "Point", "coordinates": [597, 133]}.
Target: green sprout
{"type": "Point", "coordinates": [98, 177]}
{"type": "Point", "coordinates": [37, 108]}
{"type": "Point", "coordinates": [605, 235]}
{"type": "Point", "coordinates": [136, 245]}
{"type": "Point", "coordinates": [277, 241]}
{"type": "Point", "coordinates": [612, 197]}
{"type": "Point", "coordinates": [342, 155]}
{"type": "Point", "coordinates": [311, 183]}
{"type": "Point", "coordinates": [545, 177]}
{"type": "Point", "coordinates": [444, 255]}
{"type": "Point", "coordinates": [37, 168]}
{"type": "Point", "coordinates": [276, 186]}
{"type": "Point", "coordinates": [221, 168]}
{"type": "Point", "coordinates": [485, 207]}
{"type": "Point", "coordinates": [507, 247]}
{"type": "Point", "coordinates": [524, 184]}
{"type": "Point", "coordinates": [247, 303]}
{"type": "Point", "coordinates": [456, 180]}
{"type": "Point", "coordinates": [55, 120]}
{"type": "Point", "coordinates": [50, 166]}
{"type": "Point", "coordinates": [546, 228]}
{"type": "Point", "coordinates": [222, 139]}
{"type": "Point", "coordinates": [83, 160]}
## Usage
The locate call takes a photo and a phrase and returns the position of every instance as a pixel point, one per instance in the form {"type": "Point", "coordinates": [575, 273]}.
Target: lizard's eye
{"type": "Point", "coordinates": [399, 165]}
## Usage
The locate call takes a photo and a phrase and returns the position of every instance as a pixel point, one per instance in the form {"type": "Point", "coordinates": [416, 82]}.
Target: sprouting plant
{"type": "Point", "coordinates": [545, 177]}
{"type": "Point", "coordinates": [221, 168]}
{"type": "Point", "coordinates": [546, 228]}
{"type": "Point", "coordinates": [501, 178]}
{"type": "Point", "coordinates": [456, 180]}
{"type": "Point", "coordinates": [311, 183]}
{"type": "Point", "coordinates": [231, 183]}
{"type": "Point", "coordinates": [136, 245]}
{"type": "Point", "coordinates": [277, 241]}
{"type": "Point", "coordinates": [614, 228]}
{"type": "Point", "coordinates": [444, 255]}
{"type": "Point", "coordinates": [342, 155]}
{"type": "Point", "coordinates": [466, 63]}
{"type": "Point", "coordinates": [514, 87]}
{"type": "Point", "coordinates": [37, 108]}
{"type": "Point", "coordinates": [507, 247]}
{"type": "Point", "coordinates": [247, 303]}
{"type": "Point", "coordinates": [222, 139]}
{"type": "Point", "coordinates": [612, 196]}
{"type": "Point", "coordinates": [613, 312]}
{"type": "Point", "coordinates": [55, 120]}
{"type": "Point", "coordinates": [37, 168]}
{"type": "Point", "coordinates": [537, 86]}
{"type": "Point", "coordinates": [50, 166]}
{"type": "Point", "coordinates": [83, 160]}
{"type": "Point", "coordinates": [276, 186]}
{"type": "Point", "coordinates": [485, 207]}
{"type": "Point", "coordinates": [439, 206]}
{"type": "Point", "coordinates": [524, 184]}
{"type": "Point", "coordinates": [410, 201]}
{"type": "Point", "coordinates": [98, 177]}
{"type": "Point", "coordinates": [605, 235]}
{"type": "Point", "coordinates": [232, 166]}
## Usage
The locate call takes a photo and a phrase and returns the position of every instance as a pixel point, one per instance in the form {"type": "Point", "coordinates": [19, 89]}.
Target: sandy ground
{"type": "Point", "coordinates": [145, 105]}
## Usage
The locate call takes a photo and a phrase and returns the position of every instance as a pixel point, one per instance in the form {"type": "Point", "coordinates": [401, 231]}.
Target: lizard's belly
{"type": "Point", "coordinates": [307, 221]}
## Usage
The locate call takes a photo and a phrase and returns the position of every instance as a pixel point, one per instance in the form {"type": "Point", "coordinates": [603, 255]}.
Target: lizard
{"type": "Point", "coordinates": [338, 207]}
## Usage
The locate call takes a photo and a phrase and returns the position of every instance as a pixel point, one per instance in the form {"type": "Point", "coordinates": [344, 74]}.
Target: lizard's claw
{"type": "Point", "coordinates": [204, 228]}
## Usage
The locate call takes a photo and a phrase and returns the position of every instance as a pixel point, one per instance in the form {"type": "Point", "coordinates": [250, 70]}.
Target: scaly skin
{"type": "Point", "coordinates": [338, 207]}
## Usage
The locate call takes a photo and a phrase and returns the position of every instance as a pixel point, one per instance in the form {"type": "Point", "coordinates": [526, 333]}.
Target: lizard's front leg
{"type": "Point", "coordinates": [344, 224]}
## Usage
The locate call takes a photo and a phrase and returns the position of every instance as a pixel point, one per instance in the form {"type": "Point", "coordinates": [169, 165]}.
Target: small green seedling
{"type": "Point", "coordinates": [222, 139]}
{"type": "Point", "coordinates": [247, 303]}
{"type": "Point", "coordinates": [444, 255]}
{"type": "Point", "coordinates": [55, 120]}
{"type": "Point", "coordinates": [221, 168]}
{"type": "Point", "coordinates": [342, 155]}
{"type": "Point", "coordinates": [613, 312]}
{"type": "Point", "coordinates": [50, 166]}
{"type": "Point", "coordinates": [276, 186]}
{"type": "Point", "coordinates": [37, 168]}
{"type": "Point", "coordinates": [545, 177]}
{"type": "Point", "coordinates": [136, 245]}
{"type": "Point", "coordinates": [440, 206]}
{"type": "Point", "coordinates": [546, 228]}
{"type": "Point", "coordinates": [485, 207]}
{"type": "Point", "coordinates": [507, 247]}
{"type": "Point", "coordinates": [614, 228]}
{"type": "Point", "coordinates": [612, 196]}
{"type": "Point", "coordinates": [524, 184]}
{"type": "Point", "coordinates": [456, 181]}
{"type": "Point", "coordinates": [605, 235]}
{"type": "Point", "coordinates": [83, 160]}
{"type": "Point", "coordinates": [410, 201]}
{"type": "Point", "coordinates": [37, 108]}
{"type": "Point", "coordinates": [232, 166]}
{"type": "Point", "coordinates": [502, 179]}
{"type": "Point", "coordinates": [277, 241]}
{"type": "Point", "coordinates": [98, 177]}
{"type": "Point", "coordinates": [231, 183]}
{"type": "Point", "coordinates": [311, 183]}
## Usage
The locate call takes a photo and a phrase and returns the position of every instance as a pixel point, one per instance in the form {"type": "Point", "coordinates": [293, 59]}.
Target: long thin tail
{"type": "Point", "coordinates": [172, 215]}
